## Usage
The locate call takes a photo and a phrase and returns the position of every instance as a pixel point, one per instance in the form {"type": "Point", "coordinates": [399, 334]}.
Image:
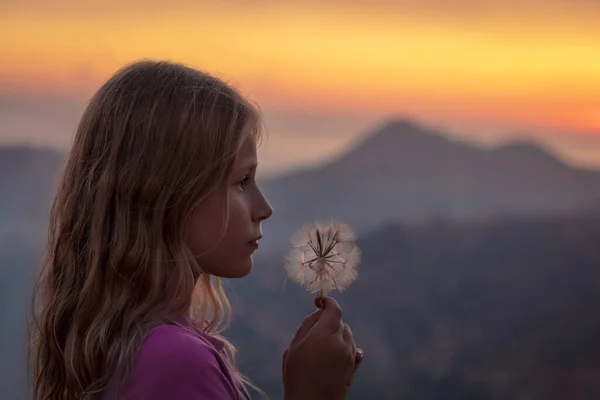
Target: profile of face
{"type": "Point", "coordinates": [229, 254]}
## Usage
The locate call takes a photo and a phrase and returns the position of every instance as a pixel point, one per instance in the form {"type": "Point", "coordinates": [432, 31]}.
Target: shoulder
{"type": "Point", "coordinates": [171, 344]}
{"type": "Point", "coordinates": [174, 363]}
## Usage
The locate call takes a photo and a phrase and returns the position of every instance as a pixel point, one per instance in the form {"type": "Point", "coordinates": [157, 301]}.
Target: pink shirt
{"type": "Point", "coordinates": [179, 362]}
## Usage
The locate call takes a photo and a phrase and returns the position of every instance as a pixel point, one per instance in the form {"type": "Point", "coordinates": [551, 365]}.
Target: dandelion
{"type": "Point", "coordinates": [324, 257]}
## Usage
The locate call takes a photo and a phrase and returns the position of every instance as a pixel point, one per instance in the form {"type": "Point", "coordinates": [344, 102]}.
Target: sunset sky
{"type": "Point", "coordinates": [324, 72]}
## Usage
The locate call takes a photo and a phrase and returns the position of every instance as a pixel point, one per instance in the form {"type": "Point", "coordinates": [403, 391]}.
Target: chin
{"type": "Point", "coordinates": [239, 271]}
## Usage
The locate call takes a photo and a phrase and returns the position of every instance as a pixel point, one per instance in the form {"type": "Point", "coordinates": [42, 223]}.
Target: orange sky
{"type": "Point", "coordinates": [531, 63]}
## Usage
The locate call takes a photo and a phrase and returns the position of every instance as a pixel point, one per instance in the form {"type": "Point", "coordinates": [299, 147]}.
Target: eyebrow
{"type": "Point", "coordinates": [249, 167]}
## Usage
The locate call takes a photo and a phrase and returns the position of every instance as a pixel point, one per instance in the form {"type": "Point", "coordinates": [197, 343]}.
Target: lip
{"type": "Point", "coordinates": [254, 242]}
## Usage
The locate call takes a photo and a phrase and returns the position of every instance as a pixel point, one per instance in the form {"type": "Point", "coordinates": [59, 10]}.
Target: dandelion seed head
{"type": "Point", "coordinates": [324, 257]}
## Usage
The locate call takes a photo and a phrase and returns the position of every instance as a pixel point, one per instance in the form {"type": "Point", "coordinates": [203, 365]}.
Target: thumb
{"type": "Point", "coordinates": [331, 320]}
{"type": "Point", "coordinates": [305, 327]}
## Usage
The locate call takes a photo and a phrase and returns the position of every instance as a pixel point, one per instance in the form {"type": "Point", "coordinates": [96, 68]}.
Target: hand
{"type": "Point", "coordinates": [322, 358]}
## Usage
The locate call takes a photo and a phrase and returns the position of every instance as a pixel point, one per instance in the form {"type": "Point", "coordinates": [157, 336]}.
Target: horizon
{"type": "Point", "coordinates": [323, 74]}
{"type": "Point", "coordinates": [371, 132]}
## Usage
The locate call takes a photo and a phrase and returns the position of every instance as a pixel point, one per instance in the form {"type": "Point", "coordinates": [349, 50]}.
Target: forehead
{"type": "Point", "coordinates": [246, 156]}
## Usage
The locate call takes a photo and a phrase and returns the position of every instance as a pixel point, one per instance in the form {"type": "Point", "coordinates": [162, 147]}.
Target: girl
{"type": "Point", "coordinates": [157, 202]}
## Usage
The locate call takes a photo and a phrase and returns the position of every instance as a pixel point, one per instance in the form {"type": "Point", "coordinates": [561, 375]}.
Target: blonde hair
{"type": "Point", "coordinates": [155, 140]}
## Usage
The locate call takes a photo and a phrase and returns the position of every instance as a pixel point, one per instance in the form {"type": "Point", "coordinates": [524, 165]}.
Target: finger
{"type": "Point", "coordinates": [349, 381]}
{"type": "Point", "coordinates": [331, 317]}
{"type": "Point", "coordinates": [349, 337]}
{"type": "Point", "coordinates": [306, 326]}
{"type": "Point", "coordinates": [284, 361]}
{"type": "Point", "coordinates": [358, 359]}
{"type": "Point", "coordinates": [360, 355]}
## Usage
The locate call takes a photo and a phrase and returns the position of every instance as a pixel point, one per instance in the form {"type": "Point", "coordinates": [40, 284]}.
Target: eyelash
{"type": "Point", "coordinates": [242, 182]}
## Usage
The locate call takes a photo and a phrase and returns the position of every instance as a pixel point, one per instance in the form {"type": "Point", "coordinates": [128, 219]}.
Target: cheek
{"type": "Point", "coordinates": [203, 229]}
{"type": "Point", "coordinates": [236, 213]}
{"type": "Point", "coordinates": [194, 235]}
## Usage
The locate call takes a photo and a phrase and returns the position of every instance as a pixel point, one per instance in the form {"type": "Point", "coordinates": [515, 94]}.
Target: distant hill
{"type": "Point", "coordinates": [400, 172]}
{"type": "Point", "coordinates": [491, 310]}
{"type": "Point", "coordinates": [406, 172]}
{"type": "Point", "coordinates": [479, 280]}
{"type": "Point", "coordinates": [19, 260]}
{"type": "Point", "coordinates": [28, 177]}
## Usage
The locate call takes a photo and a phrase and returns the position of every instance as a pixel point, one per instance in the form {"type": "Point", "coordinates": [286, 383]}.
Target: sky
{"type": "Point", "coordinates": [325, 73]}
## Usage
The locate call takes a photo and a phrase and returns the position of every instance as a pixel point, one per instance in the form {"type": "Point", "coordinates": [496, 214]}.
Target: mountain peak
{"type": "Point", "coordinates": [527, 150]}
{"type": "Point", "coordinates": [397, 135]}
{"type": "Point", "coordinates": [402, 128]}
{"type": "Point", "coordinates": [400, 124]}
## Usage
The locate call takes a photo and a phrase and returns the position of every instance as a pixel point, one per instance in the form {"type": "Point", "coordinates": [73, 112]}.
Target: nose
{"type": "Point", "coordinates": [263, 209]}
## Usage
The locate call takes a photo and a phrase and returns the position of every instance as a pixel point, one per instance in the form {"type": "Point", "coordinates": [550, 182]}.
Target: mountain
{"type": "Point", "coordinates": [18, 261]}
{"type": "Point", "coordinates": [484, 310]}
{"type": "Point", "coordinates": [28, 177]}
{"type": "Point", "coordinates": [407, 172]}
{"type": "Point", "coordinates": [479, 277]}
{"type": "Point", "coordinates": [402, 171]}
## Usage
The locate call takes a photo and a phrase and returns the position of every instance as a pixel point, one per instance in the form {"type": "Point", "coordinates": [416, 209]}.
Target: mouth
{"type": "Point", "coordinates": [254, 242]}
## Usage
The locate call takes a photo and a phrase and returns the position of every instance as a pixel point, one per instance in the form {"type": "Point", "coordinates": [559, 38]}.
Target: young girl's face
{"type": "Point", "coordinates": [231, 257]}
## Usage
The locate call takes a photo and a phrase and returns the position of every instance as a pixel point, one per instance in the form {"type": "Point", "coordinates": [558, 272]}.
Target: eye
{"type": "Point", "coordinates": [242, 182]}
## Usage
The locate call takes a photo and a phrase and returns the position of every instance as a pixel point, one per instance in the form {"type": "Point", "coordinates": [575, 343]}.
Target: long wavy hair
{"type": "Point", "coordinates": [154, 141]}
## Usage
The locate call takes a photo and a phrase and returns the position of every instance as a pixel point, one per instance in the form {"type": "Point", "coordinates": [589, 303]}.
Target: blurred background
{"type": "Point", "coordinates": [460, 138]}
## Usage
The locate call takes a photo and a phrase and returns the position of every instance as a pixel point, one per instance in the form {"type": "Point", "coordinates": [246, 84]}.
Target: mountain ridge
{"type": "Point", "coordinates": [403, 170]}
{"type": "Point", "coordinates": [409, 172]}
